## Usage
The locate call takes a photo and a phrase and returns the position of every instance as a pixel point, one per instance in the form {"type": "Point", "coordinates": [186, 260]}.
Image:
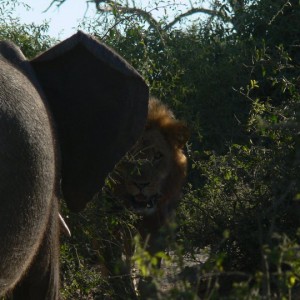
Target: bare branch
{"type": "Point", "coordinates": [144, 14]}
{"type": "Point", "coordinates": [109, 6]}
{"type": "Point", "coordinates": [58, 4]}
{"type": "Point", "coordinates": [129, 11]}
{"type": "Point", "coordinates": [192, 11]}
{"type": "Point", "coordinates": [147, 16]}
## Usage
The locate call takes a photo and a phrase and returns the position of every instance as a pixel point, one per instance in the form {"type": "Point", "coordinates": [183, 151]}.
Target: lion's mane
{"type": "Point", "coordinates": [176, 134]}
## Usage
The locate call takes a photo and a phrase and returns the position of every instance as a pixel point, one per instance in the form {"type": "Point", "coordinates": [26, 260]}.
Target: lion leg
{"type": "Point", "coordinates": [119, 270]}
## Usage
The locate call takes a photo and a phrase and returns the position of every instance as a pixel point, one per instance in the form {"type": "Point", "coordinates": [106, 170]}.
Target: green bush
{"type": "Point", "coordinates": [32, 39]}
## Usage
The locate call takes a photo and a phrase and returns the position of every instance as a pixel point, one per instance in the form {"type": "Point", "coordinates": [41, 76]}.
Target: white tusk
{"type": "Point", "coordinates": [65, 227]}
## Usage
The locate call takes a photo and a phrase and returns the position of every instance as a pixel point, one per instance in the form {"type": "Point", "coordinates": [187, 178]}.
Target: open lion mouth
{"type": "Point", "coordinates": [141, 203]}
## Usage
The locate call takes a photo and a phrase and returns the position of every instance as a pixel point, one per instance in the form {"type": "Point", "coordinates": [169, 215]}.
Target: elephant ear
{"type": "Point", "coordinates": [99, 108]}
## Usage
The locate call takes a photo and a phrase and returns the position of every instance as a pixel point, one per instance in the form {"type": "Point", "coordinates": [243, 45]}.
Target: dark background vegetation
{"type": "Point", "coordinates": [233, 76]}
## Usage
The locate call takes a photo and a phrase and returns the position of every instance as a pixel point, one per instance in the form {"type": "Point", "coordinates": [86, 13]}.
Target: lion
{"type": "Point", "coordinates": [148, 182]}
{"type": "Point", "coordinates": [151, 176]}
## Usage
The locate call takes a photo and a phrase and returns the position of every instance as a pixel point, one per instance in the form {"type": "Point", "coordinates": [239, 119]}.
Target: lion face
{"type": "Point", "coordinates": [151, 174]}
{"type": "Point", "coordinates": [146, 170]}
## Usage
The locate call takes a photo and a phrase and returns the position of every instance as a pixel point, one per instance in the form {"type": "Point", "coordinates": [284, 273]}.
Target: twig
{"type": "Point", "coordinates": [190, 12]}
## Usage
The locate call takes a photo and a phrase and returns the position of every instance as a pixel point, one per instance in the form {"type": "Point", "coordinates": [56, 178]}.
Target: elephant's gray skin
{"type": "Point", "coordinates": [66, 118]}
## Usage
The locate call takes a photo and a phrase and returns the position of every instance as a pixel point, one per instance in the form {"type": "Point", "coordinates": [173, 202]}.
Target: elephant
{"type": "Point", "coordinates": [66, 118]}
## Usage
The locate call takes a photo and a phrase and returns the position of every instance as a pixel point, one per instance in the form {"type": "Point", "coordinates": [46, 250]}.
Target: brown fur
{"type": "Point", "coordinates": [148, 181]}
{"type": "Point", "coordinates": [172, 134]}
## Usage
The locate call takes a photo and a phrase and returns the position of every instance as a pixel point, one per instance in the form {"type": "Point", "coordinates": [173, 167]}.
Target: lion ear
{"type": "Point", "coordinates": [179, 133]}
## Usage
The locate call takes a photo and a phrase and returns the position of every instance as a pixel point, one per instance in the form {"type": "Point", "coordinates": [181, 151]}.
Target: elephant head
{"type": "Point", "coordinates": [66, 118]}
